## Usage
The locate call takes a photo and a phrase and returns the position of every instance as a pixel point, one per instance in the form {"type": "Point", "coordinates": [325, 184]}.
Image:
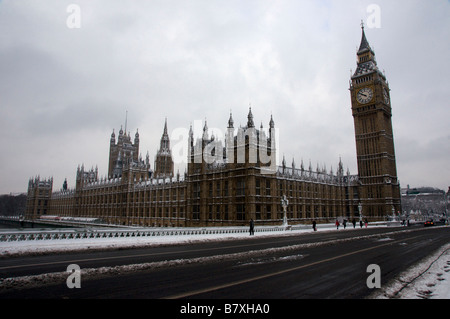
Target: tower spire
{"type": "Point", "coordinates": [165, 127]}
{"type": "Point", "coordinates": [230, 121]}
{"type": "Point", "coordinates": [364, 43]}
{"type": "Point", "coordinates": [164, 165]}
{"type": "Point", "coordinates": [366, 58]}
{"type": "Point", "coordinates": [250, 122]}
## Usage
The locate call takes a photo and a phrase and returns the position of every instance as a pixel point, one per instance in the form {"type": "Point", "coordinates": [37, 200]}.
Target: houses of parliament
{"type": "Point", "coordinates": [227, 184]}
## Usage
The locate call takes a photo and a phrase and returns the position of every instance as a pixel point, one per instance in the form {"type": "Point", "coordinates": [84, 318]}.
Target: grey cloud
{"type": "Point", "coordinates": [191, 60]}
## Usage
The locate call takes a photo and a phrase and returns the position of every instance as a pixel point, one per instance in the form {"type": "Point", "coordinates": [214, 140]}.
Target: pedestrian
{"type": "Point", "coordinates": [361, 223]}
{"type": "Point", "coordinates": [252, 227]}
{"type": "Point", "coordinates": [366, 222]}
{"type": "Point", "coordinates": [344, 223]}
{"type": "Point", "coordinates": [354, 222]}
{"type": "Point", "coordinates": [314, 225]}
{"type": "Point", "coordinates": [337, 224]}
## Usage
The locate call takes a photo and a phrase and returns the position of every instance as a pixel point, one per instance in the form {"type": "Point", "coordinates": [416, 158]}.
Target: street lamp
{"type": "Point", "coordinates": [360, 211]}
{"type": "Point", "coordinates": [284, 204]}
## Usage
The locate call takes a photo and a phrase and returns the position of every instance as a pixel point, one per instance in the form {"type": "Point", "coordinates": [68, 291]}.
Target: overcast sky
{"type": "Point", "coordinates": [66, 83]}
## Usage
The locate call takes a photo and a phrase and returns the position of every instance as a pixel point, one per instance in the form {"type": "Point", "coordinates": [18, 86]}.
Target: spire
{"type": "Point", "coordinates": [163, 159]}
{"type": "Point", "coordinates": [113, 137]}
{"type": "Point", "coordinates": [191, 132]}
{"type": "Point", "coordinates": [165, 141]}
{"type": "Point", "coordinates": [271, 123]}
{"type": "Point", "coordinates": [366, 58]}
{"type": "Point", "coordinates": [165, 127]}
{"type": "Point", "coordinates": [205, 131]}
{"type": "Point", "coordinates": [250, 122]}
{"type": "Point", "coordinates": [364, 46]}
{"type": "Point", "coordinates": [191, 140]}
{"type": "Point", "coordinates": [340, 170]}
{"type": "Point", "coordinates": [230, 121]}
{"type": "Point", "coordinates": [136, 137]}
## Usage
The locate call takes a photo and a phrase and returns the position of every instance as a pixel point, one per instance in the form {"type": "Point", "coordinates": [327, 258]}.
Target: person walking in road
{"type": "Point", "coordinates": [252, 227]}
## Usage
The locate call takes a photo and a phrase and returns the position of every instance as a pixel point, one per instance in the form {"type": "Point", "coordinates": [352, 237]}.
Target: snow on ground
{"type": "Point", "coordinates": [15, 248]}
{"type": "Point", "coordinates": [430, 279]}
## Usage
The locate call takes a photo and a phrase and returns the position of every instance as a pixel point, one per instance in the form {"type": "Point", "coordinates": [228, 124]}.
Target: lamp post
{"type": "Point", "coordinates": [445, 207]}
{"type": "Point", "coordinates": [284, 204]}
{"type": "Point", "coordinates": [394, 217]}
{"type": "Point", "coordinates": [360, 211]}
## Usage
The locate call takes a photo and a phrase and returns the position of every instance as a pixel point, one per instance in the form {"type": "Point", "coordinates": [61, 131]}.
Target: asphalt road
{"type": "Point", "coordinates": [331, 264]}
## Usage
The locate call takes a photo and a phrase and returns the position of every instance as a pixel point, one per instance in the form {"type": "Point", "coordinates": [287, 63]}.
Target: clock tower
{"type": "Point", "coordinates": [379, 189]}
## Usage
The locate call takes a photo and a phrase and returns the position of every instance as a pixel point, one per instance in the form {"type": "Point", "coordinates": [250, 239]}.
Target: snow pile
{"type": "Point", "coordinates": [430, 279]}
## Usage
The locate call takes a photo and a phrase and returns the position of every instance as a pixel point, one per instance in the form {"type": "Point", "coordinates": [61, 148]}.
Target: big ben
{"type": "Point", "coordinates": [379, 190]}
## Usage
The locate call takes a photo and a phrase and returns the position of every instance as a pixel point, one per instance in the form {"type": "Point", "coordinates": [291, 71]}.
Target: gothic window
{"type": "Point", "coordinates": [269, 212]}
{"type": "Point", "coordinates": [217, 211]}
{"type": "Point", "coordinates": [240, 187]}
{"type": "Point", "coordinates": [225, 215]}
{"type": "Point", "coordinates": [258, 212]}
{"type": "Point", "coordinates": [196, 212]}
{"type": "Point", "coordinates": [226, 189]}
{"type": "Point", "coordinates": [196, 190]}
{"type": "Point", "coordinates": [240, 212]}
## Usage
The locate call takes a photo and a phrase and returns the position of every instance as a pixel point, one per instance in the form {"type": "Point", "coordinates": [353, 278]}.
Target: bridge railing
{"type": "Point", "coordinates": [102, 233]}
{"type": "Point", "coordinates": [127, 233]}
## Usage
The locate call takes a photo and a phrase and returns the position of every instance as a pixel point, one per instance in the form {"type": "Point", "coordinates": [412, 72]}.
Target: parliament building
{"type": "Point", "coordinates": [227, 183]}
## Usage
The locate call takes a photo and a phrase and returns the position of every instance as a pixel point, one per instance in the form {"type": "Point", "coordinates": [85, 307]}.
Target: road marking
{"type": "Point", "coordinates": [244, 281]}
{"type": "Point", "coordinates": [66, 262]}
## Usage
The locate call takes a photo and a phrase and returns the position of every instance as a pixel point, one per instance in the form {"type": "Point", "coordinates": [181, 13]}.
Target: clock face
{"type": "Point", "coordinates": [364, 95]}
{"type": "Point", "coordinates": [386, 96]}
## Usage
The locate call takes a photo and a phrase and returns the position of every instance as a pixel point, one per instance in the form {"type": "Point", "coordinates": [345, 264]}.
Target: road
{"type": "Point", "coordinates": [331, 264]}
